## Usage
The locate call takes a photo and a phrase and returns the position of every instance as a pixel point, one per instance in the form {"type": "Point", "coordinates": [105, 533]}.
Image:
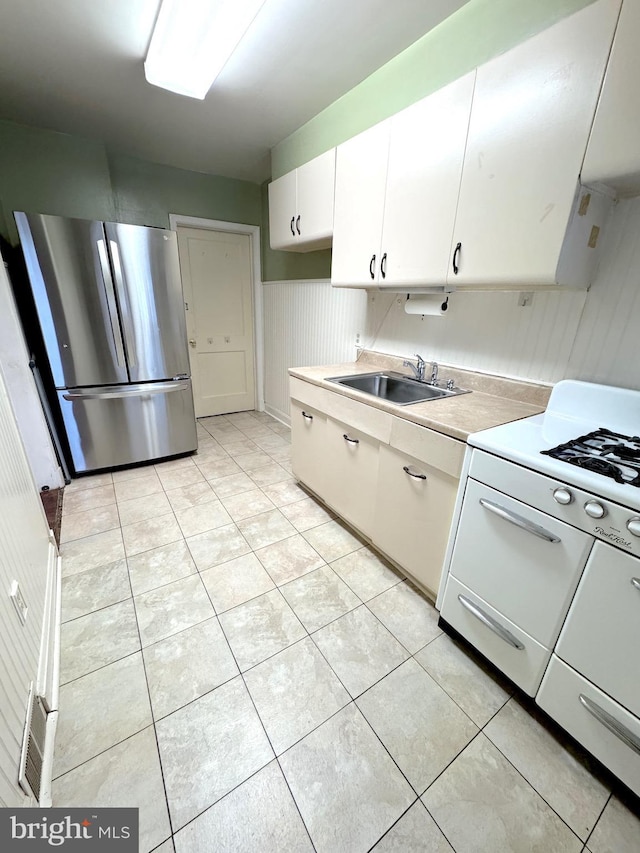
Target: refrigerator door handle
{"type": "Point", "coordinates": [111, 302]}
{"type": "Point", "coordinates": [125, 310]}
{"type": "Point", "coordinates": [125, 391]}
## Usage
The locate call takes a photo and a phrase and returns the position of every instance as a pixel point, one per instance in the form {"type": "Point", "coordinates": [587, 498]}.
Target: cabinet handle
{"type": "Point", "coordinates": [456, 255]}
{"type": "Point", "coordinates": [383, 265]}
{"type": "Point", "coordinates": [293, 219]}
{"type": "Point", "coordinates": [635, 582]}
{"type": "Point", "coordinates": [519, 521]}
{"type": "Point", "coordinates": [351, 440]}
{"type": "Point", "coordinates": [298, 225]}
{"type": "Point", "coordinates": [610, 722]}
{"type": "Point", "coordinates": [371, 263]}
{"type": "Point", "coordinates": [490, 622]}
{"type": "Point", "coordinates": [408, 471]}
{"type": "Point", "coordinates": [307, 417]}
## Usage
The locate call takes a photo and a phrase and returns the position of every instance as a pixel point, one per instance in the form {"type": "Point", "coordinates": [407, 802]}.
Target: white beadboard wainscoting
{"type": "Point", "coordinates": [28, 556]}
{"type": "Point", "coordinates": [590, 335]}
{"type": "Point", "coordinates": [306, 323]}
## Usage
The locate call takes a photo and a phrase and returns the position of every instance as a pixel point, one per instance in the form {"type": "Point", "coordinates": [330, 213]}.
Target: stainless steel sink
{"type": "Point", "coordinates": [395, 387]}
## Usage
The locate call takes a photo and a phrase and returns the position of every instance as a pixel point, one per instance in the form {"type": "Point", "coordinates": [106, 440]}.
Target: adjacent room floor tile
{"type": "Point", "coordinates": [306, 513]}
{"type": "Point", "coordinates": [618, 830]}
{"type": "Point", "coordinates": [366, 572]}
{"type": "Point", "coordinates": [481, 802]}
{"type": "Point", "coordinates": [478, 691]}
{"type": "Point", "coordinates": [347, 788]}
{"type": "Point", "coordinates": [258, 817]}
{"type": "Point", "coordinates": [99, 710]}
{"type": "Point", "coordinates": [187, 665]}
{"type": "Point", "coordinates": [420, 725]}
{"type": "Point", "coordinates": [260, 628]}
{"type": "Point", "coordinates": [359, 649]}
{"type": "Point", "coordinates": [77, 525]}
{"type": "Point", "coordinates": [99, 638]}
{"type": "Point", "coordinates": [172, 608]}
{"type": "Point", "coordinates": [85, 592]}
{"type": "Point", "coordinates": [409, 616]}
{"type": "Point", "coordinates": [332, 540]}
{"type": "Point", "coordinates": [319, 597]}
{"type": "Point", "coordinates": [217, 546]}
{"type": "Point", "coordinates": [199, 519]}
{"type": "Point", "coordinates": [84, 499]}
{"type": "Point", "coordinates": [294, 692]}
{"type": "Point", "coordinates": [208, 748]}
{"type": "Point", "coordinates": [97, 550]}
{"type": "Point", "coordinates": [126, 774]}
{"type": "Point", "coordinates": [160, 566]}
{"type": "Point", "coordinates": [289, 559]}
{"type": "Point", "coordinates": [247, 504]}
{"type": "Point", "coordinates": [557, 775]}
{"type": "Point", "coordinates": [415, 832]}
{"type": "Point", "coordinates": [235, 582]}
{"type": "Point", "coordinates": [145, 535]}
{"type": "Point", "coordinates": [138, 487]}
{"type": "Point", "coordinates": [193, 495]}
{"type": "Point", "coordinates": [266, 528]}
{"type": "Point", "coordinates": [140, 509]}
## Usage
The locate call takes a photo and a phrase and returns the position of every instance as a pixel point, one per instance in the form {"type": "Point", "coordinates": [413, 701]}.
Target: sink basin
{"type": "Point", "coordinates": [395, 387]}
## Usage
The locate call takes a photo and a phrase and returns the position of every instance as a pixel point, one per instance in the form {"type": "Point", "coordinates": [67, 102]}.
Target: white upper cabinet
{"type": "Point", "coordinates": [301, 206]}
{"type": "Point", "coordinates": [613, 153]}
{"type": "Point", "coordinates": [396, 192]}
{"type": "Point", "coordinates": [361, 175]}
{"type": "Point", "coordinates": [531, 116]}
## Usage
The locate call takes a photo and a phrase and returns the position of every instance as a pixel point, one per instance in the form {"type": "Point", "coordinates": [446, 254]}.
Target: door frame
{"type": "Point", "coordinates": [177, 220]}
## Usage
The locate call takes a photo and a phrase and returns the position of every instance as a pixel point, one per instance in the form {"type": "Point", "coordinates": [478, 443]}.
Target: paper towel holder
{"type": "Point", "coordinates": [441, 309]}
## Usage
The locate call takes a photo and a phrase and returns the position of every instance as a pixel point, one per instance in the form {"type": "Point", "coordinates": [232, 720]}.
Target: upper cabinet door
{"type": "Point", "coordinates": [282, 211]}
{"type": "Point", "coordinates": [361, 173]}
{"type": "Point", "coordinates": [423, 180]}
{"type": "Point", "coordinates": [530, 120]}
{"type": "Point", "coordinates": [613, 153]}
{"type": "Point", "coordinates": [314, 217]}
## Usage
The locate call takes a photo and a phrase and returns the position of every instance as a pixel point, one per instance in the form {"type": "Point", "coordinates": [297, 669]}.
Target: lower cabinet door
{"type": "Point", "coordinates": [351, 474]}
{"type": "Point", "coordinates": [413, 515]}
{"type": "Point", "coordinates": [308, 447]}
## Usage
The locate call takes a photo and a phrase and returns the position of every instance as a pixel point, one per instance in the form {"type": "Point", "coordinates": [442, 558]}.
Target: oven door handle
{"type": "Point", "coordinates": [610, 722]}
{"type": "Point", "coordinates": [519, 521]}
{"type": "Point", "coordinates": [490, 622]}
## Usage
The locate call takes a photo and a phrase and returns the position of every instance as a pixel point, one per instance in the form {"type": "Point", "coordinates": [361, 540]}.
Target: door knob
{"type": "Point", "coordinates": [192, 342]}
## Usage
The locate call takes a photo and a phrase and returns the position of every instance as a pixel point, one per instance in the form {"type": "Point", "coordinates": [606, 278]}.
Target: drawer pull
{"type": "Point", "coordinates": [519, 521]}
{"type": "Point", "coordinates": [610, 722]}
{"type": "Point", "coordinates": [491, 623]}
{"type": "Point", "coordinates": [307, 417]}
{"type": "Point", "coordinates": [351, 440]}
{"type": "Point", "coordinates": [408, 471]}
{"type": "Point", "coordinates": [635, 582]}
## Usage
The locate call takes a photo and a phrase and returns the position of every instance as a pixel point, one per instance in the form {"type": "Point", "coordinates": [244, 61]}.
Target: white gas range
{"type": "Point", "coordinates": [543, 565]}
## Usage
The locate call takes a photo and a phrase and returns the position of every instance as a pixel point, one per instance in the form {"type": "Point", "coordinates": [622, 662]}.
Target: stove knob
{"type": "Point", "coordinates": [562, 496]}
{"type": "Point", "coordinates": [594, 509]}
{"type": "Point", "coordinates": [633, 525]}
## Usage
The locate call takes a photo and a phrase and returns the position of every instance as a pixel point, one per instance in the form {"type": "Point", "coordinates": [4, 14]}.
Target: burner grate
{"type": "Point", "coordinates": [605, 452]}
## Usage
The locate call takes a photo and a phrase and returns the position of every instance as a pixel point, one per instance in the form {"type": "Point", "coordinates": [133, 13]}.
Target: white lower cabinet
{"type": "Point", "coordinates": [413, 514]}
{"type": "Point", "coordinates": [308, 446]}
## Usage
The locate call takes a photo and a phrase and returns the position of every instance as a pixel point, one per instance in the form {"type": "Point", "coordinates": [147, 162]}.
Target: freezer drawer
{"type": "Point", "coordinates": [107, 427]}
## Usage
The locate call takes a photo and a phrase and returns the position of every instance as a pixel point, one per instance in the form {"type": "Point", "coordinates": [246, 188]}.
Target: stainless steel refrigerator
{"type": "Point", "coordinates": [110, 305]}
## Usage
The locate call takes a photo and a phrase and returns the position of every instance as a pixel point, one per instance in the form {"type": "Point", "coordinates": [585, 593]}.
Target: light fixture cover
{"type": "Point", "coordinates": [193, 39]}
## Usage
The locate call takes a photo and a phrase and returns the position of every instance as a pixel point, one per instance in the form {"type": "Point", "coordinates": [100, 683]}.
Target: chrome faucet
{"type": "Point", "coordinates": [434, 373]}
{"type": "Point", "coordinates": [418, 369]}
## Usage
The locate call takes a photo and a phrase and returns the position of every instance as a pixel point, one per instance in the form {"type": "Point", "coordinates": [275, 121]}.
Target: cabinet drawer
{"type": "Point", "coordinates": [434, 448]}
{"type": "Point", "coordinates": [560, 696]}
{"type": "Point", "coordinates": [513, 651]}
{"type": "Point", "coordinates": [601, 636]}
{"type": "Point", "coordinates": [524, 562]}
{"type": "Point", "coordinates": [308, 442]}
{"type": "Point", "coordinates": [413, 515]}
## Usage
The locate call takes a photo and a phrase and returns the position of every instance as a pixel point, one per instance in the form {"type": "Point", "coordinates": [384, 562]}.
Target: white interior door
{"type": "Point", "coordinates": [217, 280]}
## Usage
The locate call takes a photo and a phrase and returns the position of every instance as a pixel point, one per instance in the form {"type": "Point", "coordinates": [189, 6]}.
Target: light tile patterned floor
{"type": "Point", "coordinates": [240, 666]}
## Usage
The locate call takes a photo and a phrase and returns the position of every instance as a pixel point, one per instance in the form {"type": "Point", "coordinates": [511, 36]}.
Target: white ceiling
{"type": "Point", "coordinates": [77, 66]}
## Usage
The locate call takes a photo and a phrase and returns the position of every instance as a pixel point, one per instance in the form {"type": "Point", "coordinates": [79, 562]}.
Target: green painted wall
{"type": "Point", "coordinates": [478, 31]}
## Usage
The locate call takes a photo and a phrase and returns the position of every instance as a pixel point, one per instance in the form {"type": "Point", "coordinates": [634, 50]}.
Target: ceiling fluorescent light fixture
{"type": "Point", "coordinates": [192, 41]}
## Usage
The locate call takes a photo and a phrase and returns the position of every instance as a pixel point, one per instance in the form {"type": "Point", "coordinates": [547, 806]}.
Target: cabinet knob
{"type": "Point", "coordinates": [595, 509]}
{"type": "Point", "coordinates": [351, 440]}
{"type": "Point", "coordinates": [371, 266]}
{"type": "Point", "coordinates": [293, 219]}
{"type": "Point", "coordinates": [298, 224]}
{"type": "Point", "coordinates": [192, 342]}
{"type": "Point", "coordinates": [383, 265]}
{"type": "Point", "coordinates": [307, 417]}
{"type": "Point", "coordinates": [562, 496]}
{"type": "Point", "coordinates": [408, 471]}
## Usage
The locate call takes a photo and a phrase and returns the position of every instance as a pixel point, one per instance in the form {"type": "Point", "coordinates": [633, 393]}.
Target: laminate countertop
{"type": "Point", "coordinates": [493, 400]}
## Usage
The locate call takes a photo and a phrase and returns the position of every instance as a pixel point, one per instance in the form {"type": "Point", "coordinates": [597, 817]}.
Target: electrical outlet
{"type": "Point", "coordinates": [357, 338]}
{"type": "Point", "coordinates": [15, 594]}
{"type": "Point", "coordinates": [525, 299]}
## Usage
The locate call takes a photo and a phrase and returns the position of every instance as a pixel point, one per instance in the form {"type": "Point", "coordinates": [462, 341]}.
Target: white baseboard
{"type": "Point", "coordinates": [46, 797]}
{"type": "Point", "coordinates": [283, 417]}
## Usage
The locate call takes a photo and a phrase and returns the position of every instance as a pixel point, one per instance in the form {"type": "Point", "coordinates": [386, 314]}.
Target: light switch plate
{"type": "Point", "coordinates": [15, 594]}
